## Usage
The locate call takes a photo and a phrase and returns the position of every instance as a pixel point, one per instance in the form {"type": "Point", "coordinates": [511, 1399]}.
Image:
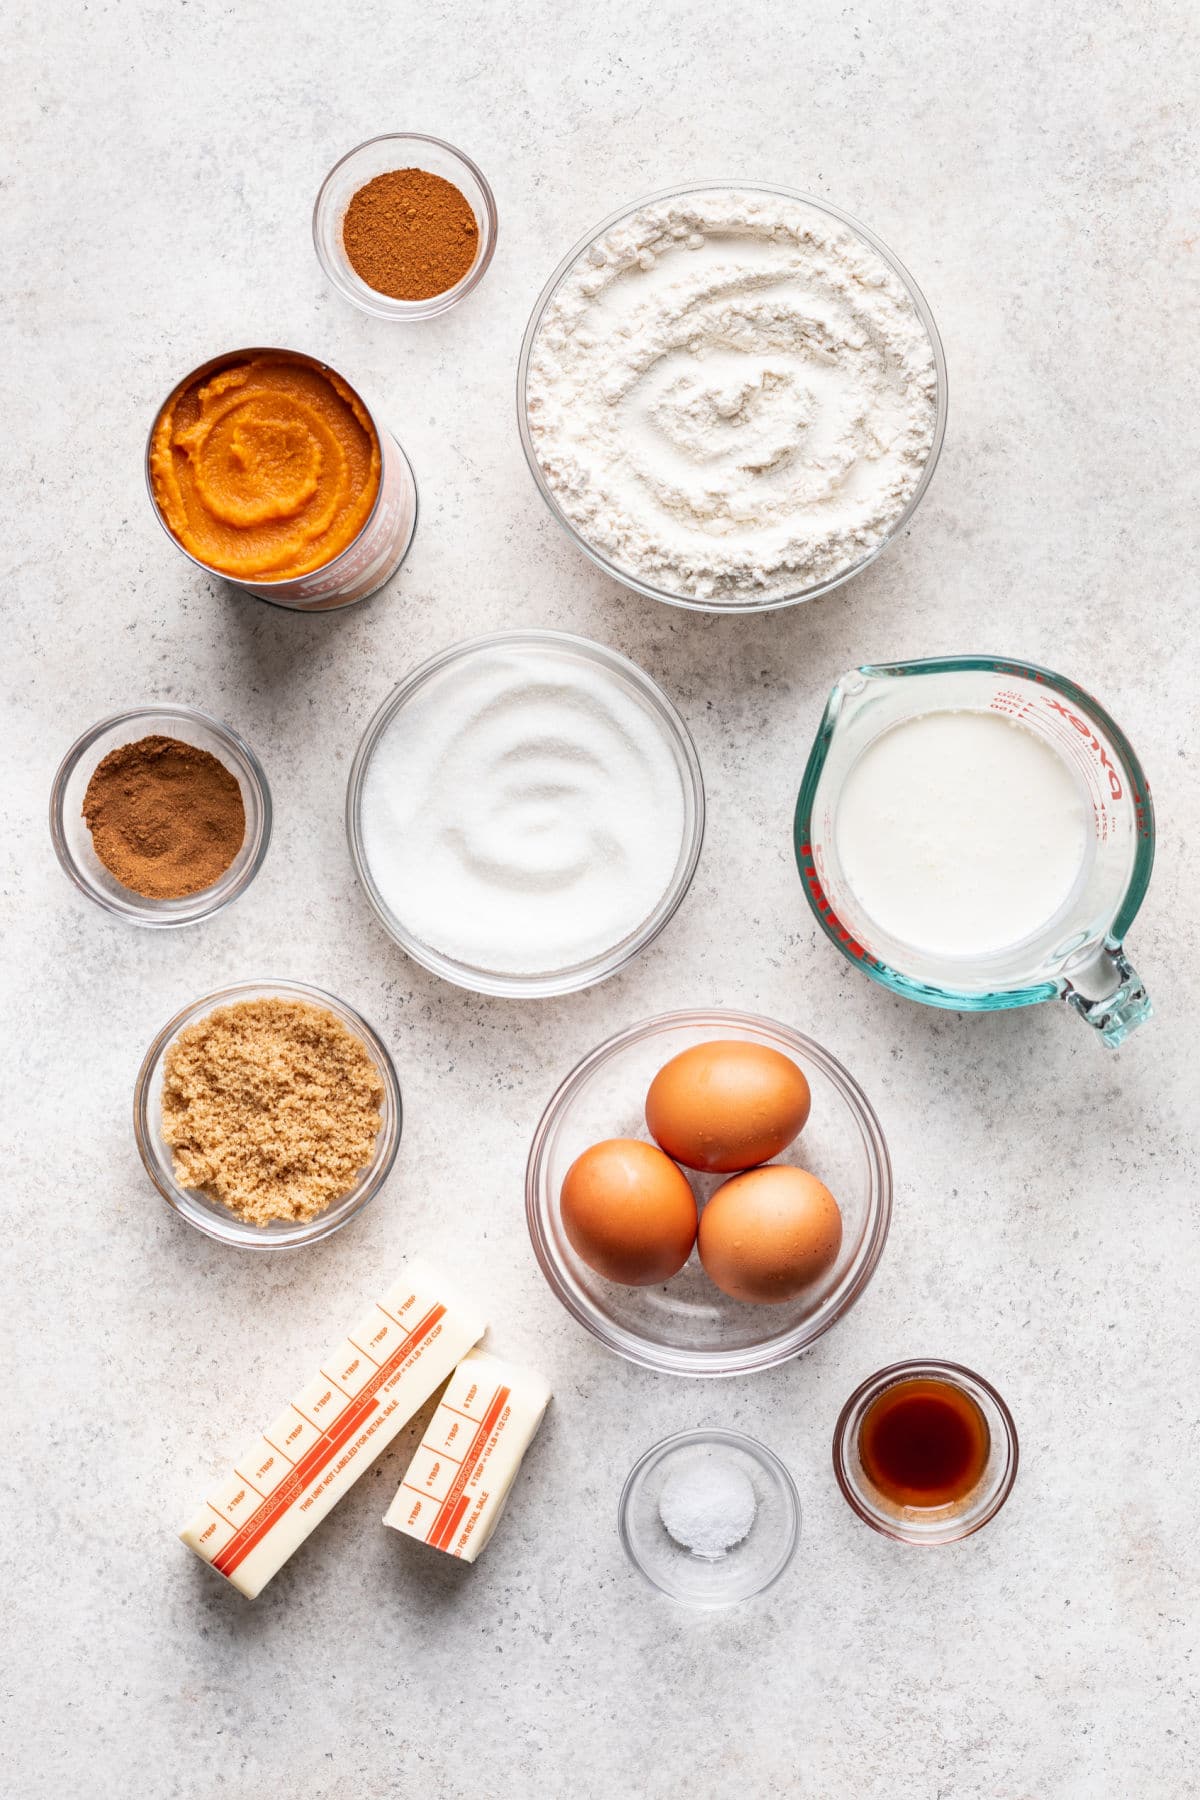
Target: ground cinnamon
{"type": "Point", "coordinates": [410, 234]}
{"type": "Point", "coordinates": [166, 818]}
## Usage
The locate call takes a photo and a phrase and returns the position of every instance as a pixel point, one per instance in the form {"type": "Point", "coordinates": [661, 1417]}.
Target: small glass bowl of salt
{"type": "Point", "coordinates": [710, 1518]}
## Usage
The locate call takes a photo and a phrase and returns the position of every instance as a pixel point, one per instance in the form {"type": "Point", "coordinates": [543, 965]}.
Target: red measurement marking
{"type": "Point", "coordinates": [442, 1541]}
{"type": "Point", "coordinates": [1085, 730]}
{"type": "Point", "coordinates": [828, 917]}
{"type": "Point", "coordinates": [321, 1454]}
{"type": "Point", "coordinates": [455, 1504]}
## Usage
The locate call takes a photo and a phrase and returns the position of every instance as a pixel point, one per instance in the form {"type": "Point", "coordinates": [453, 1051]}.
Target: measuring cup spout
{"type": "Point", "coordinates": [1110, 994]}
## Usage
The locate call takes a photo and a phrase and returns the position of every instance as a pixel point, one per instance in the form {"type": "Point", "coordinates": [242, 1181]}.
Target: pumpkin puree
{"type": "Point", "coordinates": [265, 470]}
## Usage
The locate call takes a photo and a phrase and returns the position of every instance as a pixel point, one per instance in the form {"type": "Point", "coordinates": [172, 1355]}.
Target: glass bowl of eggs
{"type": "Point", "coordinates": [708, 1192]}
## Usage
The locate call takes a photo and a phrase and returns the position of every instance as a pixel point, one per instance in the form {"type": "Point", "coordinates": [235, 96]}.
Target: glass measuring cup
{"type": "Point", "coordinates": [1077, 953]}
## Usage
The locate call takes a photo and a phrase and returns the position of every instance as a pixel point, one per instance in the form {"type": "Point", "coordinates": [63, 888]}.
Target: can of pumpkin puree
{"type": "Point", "coordinates": [267, 468]}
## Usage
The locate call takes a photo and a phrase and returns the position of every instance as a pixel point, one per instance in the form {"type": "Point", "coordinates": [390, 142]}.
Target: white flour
{"type": "Point", "coordinates": [523, 812]}
{"type": "Point", "coordinates": [732, 396]}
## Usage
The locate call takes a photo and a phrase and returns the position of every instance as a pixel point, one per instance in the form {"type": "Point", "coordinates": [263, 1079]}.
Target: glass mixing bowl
{"type": "Point", "coordinates": [209, 1216]}
{"type": "Point", "coordinates": [73, 841]}
{"type": "Point", "coordinates": [629, 578]}
{"type": "Point", "coordinates": [687, 1326]}
{"type": "Point", "coordinates": [652, 700]}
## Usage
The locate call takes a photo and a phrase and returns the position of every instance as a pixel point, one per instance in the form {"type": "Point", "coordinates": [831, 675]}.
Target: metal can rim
{"type": "Point", "coordinates": [212, 367]}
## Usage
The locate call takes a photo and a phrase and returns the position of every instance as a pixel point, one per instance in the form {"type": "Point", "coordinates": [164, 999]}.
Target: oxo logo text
{"type": "Point", "coordinates": [1085, 730]}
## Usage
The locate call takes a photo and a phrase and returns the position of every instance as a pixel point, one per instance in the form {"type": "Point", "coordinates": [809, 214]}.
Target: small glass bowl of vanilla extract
{"type": "Point", "coordinates": [925, 1452]}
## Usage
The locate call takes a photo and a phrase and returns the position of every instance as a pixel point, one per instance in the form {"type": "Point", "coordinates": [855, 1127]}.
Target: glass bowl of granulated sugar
{"type": "Point", "coordinates": [731, 396]}
{"type": "Point", "coordinates": [525, 813]}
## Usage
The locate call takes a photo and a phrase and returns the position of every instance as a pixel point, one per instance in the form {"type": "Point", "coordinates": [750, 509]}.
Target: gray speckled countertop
{"type": "Point", "coordinates": [1036, 170]}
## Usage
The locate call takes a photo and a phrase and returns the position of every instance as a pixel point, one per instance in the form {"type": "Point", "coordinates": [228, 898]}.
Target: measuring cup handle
{"type": "Point", "coordinates": [1121, 1010]}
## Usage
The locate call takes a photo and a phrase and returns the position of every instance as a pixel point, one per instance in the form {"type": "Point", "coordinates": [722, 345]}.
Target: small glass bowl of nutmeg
{"type": "Point", "coordinates": [405, 226]}
{"type": "Point", "coordinates": [161, 815]}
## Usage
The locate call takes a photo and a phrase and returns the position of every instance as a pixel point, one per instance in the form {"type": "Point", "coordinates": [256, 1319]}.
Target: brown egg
{"type": "Point", "coordinates": [767, 1235]}
{"type": "Point", "coordinates": [727, 1105]}
{"type": "Point", "coordinates": [629, 1212]}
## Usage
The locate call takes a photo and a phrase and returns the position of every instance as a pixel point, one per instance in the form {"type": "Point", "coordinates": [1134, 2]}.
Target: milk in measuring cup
{"type": "Point", "coordinates": [961, 832]}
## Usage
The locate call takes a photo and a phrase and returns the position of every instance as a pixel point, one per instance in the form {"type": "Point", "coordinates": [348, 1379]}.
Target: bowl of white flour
{"type": "Point", "coordinates": [525, 812]}
{"type": "Point", "coordinates": [732, 397]}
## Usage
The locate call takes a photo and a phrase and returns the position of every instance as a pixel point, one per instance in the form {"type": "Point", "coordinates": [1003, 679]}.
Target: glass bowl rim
{"type": "Point", "coordinates": [776, 602]}
{"type": "Point", "coordinates": [578, 975]}
{"type": "Point", "coordinates": [758, 1452]}
{"type": "Point", "coordinates": [960, 1376]}
{"type": "Point", "coordinates": [383, 306]}
{"type": "Point", "coordinates": [210, 900]}
{"type": "Point", "coordinates": [786, 1345]}
{"type": "Point", "coordinates": [235, 1232]}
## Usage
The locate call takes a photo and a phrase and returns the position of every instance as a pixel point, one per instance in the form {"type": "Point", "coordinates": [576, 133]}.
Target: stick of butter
{"type": "Point", "coordinates": [366, 1390]}
{"type": "Point", "coordinates": [460, 1479]}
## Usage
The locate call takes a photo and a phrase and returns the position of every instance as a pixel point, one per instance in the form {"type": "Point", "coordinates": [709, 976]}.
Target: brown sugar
{"type": "Point", "coordinates": [166, 818]}
{"type": "Point", "coordinates": [271, 1107]}
{"type": "Point", "coordinates": [409, 234]}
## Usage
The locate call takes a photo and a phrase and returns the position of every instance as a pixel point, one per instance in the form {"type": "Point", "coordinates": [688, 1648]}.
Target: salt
{"type": "Point", "coordinates": [707, 1507]}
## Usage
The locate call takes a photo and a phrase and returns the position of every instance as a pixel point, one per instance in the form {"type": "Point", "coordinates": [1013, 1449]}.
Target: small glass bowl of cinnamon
{"type": "Point", "coordinates": [75, 845]}
{"type": "Point", "coordinates": [397, 153]}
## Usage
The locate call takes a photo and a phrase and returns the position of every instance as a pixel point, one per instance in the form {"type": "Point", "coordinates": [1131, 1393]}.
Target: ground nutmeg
{"type": "Point", "coordinates": [409, 234]}
{"type": "Point", "coordinates": [166, 818]}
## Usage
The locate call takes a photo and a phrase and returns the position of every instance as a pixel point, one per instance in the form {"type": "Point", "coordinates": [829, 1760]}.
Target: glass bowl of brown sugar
{"type": "Point", "coordinates": [267, 1114]}
{"type": "Point", "coordinates": [405, 226]}
{"type": "Point", "coordinates": [161, 815]}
